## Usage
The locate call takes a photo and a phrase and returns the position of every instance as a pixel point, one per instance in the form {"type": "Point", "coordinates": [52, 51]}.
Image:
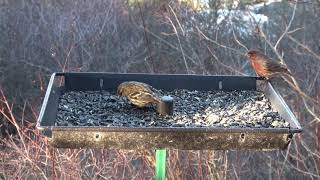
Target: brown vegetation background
{"type": "Point", "coordinates": [41, 37]}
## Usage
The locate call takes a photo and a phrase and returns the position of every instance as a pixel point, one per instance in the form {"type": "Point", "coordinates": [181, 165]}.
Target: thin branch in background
{"type": "Point", "coordinates": [64, 67]}
{"type": "Point", "coordinates": [175, 16]}
{"type": "Point", "coordinates": [47, 70]}
{"type": "Point", "coordinates": [218, 44]}
{"type": "Point", "coordinates": [295, 84]}
{"type": "Point", "coordinates": [295, 30]}
{"type": "Point", "coordinates": [224, 65]}
{"type": "Point", "coordinates": [235, 172]}
{"type": "Point", "coordinates": [169, 44]}
{"type": "Point", "coordinates": [273, 47]}
{"type": "Point", "coordinates": [237, 40]}
{"type": "Point", "coordinates": [242, 45]}
{"type": "Point", "coordinates": [285, 158]}
{"type": "Point", "coordinates": [180, 45]}
{"type": "Point", "coordinates": [146, 39]}
{"type": "Point", "coordinates": [303, 46]}
{"type": "Point", "coordinates": [297, 88]}
{"type": "Point", "coordinates": [287, 28]}
{"type": "Point", "coordinates": [313, 83]}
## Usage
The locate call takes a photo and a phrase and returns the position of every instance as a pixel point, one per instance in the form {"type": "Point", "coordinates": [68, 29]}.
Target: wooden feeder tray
{"type": "Point", "coordinates": [187, 138]}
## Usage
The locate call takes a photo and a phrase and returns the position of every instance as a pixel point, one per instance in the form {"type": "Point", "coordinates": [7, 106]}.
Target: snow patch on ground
{"type": "Point", "coordinates": [243, 21]}
{"type": "Point", "coordinates": [247, 16]}
{"type": "Point", "coordinates": [260, 5]}
{"type": "Point", "coordinates": [246, 20]}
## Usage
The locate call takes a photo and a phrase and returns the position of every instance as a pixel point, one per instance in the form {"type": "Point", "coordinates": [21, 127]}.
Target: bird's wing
{"type": "Point", "coordinates": [276, 67]}
{"type": "Point", "coordinates": [141, 87]}
{"type": "Point", "coordinates": [150, 97]}
{"type": "Point", "coordinates": [144, 97]}
{"type": "Point", "coordinates": [147, 87]}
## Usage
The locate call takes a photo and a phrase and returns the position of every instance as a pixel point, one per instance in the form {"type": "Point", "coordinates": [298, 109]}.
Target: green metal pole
{"type": "Point", "coordinates": [161, 164]}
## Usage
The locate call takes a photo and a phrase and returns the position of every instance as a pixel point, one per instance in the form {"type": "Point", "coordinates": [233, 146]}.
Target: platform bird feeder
{"type": "Point", "coordinates": [205, 115]}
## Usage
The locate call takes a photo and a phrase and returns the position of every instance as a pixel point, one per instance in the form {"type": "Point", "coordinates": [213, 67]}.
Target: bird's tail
{"type": "Point", "coordinates": [282, 69]}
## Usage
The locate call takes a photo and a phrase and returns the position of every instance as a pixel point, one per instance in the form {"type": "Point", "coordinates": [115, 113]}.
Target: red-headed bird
{"type": "Point", "coordinates": [264, 66]}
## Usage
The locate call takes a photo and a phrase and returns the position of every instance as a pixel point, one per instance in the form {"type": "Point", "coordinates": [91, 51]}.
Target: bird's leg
{"type": "Point", "coordinates": [261, 78]}
{"type": "Point", "coordinates": [145, 109]}
{"type": "Point", "coordinates": [148, 107]}
{"type": "Point", "coordinates": [134, 107]}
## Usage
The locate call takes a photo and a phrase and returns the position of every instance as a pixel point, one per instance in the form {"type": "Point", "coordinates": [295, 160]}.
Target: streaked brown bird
{"type": "Point", "coordinates": [264, 66]}
{"type": "Point", "coordinates": [139, 94]}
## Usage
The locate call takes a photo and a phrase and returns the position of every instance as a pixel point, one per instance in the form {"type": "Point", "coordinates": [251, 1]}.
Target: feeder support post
{"type": "Point", "coordinates": [161, 164]}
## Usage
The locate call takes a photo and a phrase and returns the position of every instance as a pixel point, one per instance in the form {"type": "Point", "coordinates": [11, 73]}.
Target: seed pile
{"type": "Point", "coordinates": [191, 109]}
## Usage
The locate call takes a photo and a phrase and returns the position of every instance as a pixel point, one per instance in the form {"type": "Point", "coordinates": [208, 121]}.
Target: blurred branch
{"type": "Point", "coordinates": [36, 66]}
{"type": "Point", "coordinates": [218, 44]}
{"type": "Point", "coordinates": [288, 26]}
{"type": "Point", "coordinates": [224, 65]}
{"type": "Point", "coordinates": [295, 84]}
{"type": "Point", "coordinates": [175, 16]}
{"type": "Point", "coordinates": [236, 39]}
{"type": "Point", "coordinates": [181, 49]}
{"type": "Point", "coordinates": [303, 46]}
{"type": "Point", "coordinates": [169, 44]}
{"type": "Point", "coordinates": [146, 39]}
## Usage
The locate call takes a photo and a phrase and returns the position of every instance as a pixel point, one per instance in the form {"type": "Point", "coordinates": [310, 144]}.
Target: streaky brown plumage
{"type": "Point", "coordinates": [138, 93]}
{"type": "Point", "coordinates": [264, 66]}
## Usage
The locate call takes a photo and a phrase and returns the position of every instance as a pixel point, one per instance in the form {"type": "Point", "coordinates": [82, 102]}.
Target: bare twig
{"type": "Point", "coordinates": [175, 16]}
{"type": "Point", "coordinates": [180, 45]}
{"type": "Point", "coordinates": [295, 84]}
{"type": "Point", "coordinates": [237, 40]}
{"type": "Point", "coordinates": [169, 44]}
{"type": "Point", "coordinates": [146, 38]}
{"type": "Point", "coordinates": [218, 44]}
{"type": "Point", "coordinates": [305, 47]}
{"type": "Point", "coordinates": [226, 66]}
{"type": "Point", "coordinates": [288, 27]}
